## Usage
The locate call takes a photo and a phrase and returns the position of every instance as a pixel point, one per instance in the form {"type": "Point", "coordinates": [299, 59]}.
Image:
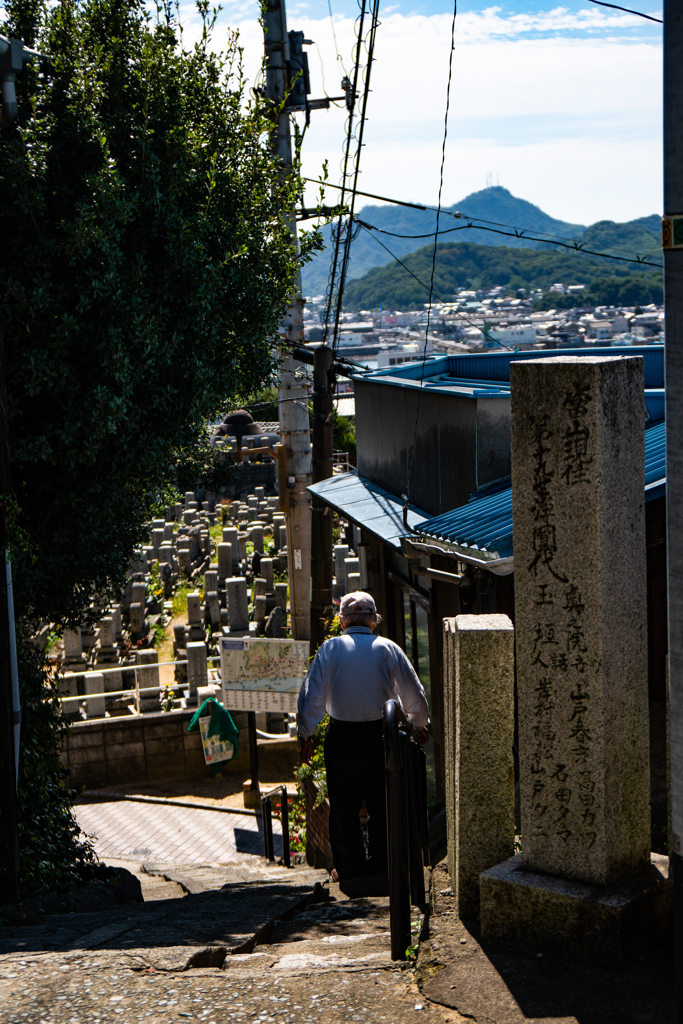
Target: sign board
{"type": "Point", "coordinates": [262, 675]}
{"type": "Point", "coordinates": [215, 749]}
{"type": "Point", "coordinates": [672, 231]}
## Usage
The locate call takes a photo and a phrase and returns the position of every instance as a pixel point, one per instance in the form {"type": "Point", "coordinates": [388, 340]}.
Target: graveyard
{"type": "Point", "coordinates": [546, 896]}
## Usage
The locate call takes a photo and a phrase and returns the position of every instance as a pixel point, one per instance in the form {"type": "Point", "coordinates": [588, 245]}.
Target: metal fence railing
{"type": "Point", "coordinates": [267, 818]}
{"type": "Point", "coordinates": [407, 827]}
{"type": "Point", "coordinates": [130, 691]}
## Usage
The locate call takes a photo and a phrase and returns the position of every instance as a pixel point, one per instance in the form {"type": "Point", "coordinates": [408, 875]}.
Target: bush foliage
{"type": "Point", "coordinates": [146, 263]}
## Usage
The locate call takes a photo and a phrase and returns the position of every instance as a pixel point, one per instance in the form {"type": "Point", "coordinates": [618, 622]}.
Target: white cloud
{"type": "Point", "coordinates": [566, 107]}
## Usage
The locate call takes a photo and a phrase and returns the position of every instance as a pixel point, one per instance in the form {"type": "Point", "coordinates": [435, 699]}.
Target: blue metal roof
{"type": "Point", "coordinates": [487, 367]}
{"type": "Point", "coordinates": [484, 525]}
{"type": "Point", "coordinates": [369, 506]}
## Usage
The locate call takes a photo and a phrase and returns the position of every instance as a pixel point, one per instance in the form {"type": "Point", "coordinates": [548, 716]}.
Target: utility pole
{"type": "Point", "coordinates": [672, 241]}
{"type": "Point", "coordinates": [321, 515]}
{"type": "Point", "coordinates": [292, 391]}
{"type": "Point", "coordinates": [9, 825]}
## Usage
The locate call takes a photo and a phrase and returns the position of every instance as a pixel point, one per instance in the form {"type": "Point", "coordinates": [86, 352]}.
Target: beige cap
{"type": "Point", "coordinates": [357, 603]}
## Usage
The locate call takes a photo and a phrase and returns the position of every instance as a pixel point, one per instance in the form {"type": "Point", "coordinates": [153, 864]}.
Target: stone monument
{"type": "Point", "coordinates": [585, 886]}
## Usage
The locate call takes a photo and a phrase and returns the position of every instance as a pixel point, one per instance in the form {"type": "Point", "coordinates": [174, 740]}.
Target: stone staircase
{"type": "Point", "coordinates": [246, 942]}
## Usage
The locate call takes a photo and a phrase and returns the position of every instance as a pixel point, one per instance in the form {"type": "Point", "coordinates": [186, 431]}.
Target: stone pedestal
{"type": "Point", "coordinates": [602, 927]}
{"type": "Point", "coordinates": [479, 736]}
{"type": "Point", "coordinates": [259, 587]}
{"type": "Point", "coordinates": [353, 584]}
{"type": "Point", "coordinates": [581, 628]}
{"type": "Point", "coordinates": [238, 607]}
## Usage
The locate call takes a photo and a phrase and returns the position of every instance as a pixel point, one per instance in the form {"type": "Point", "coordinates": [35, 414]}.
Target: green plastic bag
{"type": "Point", "coordinates": [221, 725]}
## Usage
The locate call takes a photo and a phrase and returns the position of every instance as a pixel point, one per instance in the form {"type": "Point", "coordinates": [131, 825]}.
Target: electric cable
{"type": "Point", "coordinates": [349, 236]}
{"type": "Point", "coordinates": [627, 10]}
{"type": "Point", "coordinates": [513, 232]}
{"type": "Point", "coordinates": [336, 231]}
{"type": "Point", "coordinates": [426, 286]}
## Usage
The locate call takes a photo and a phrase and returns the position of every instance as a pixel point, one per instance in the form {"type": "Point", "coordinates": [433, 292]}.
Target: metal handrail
{"type": "Point", "coordinates": [267, 816]}
{"type": "Point", "coordinates": [407, 829]}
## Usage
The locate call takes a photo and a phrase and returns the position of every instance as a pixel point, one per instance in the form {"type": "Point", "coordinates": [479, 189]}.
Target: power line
{"type": "Point", "coordinates": [426, 287]}
{"type": "Point", "coordinates": [491, 225]}
{"type": "Point", "coordinates": [436, 239]}
{"type": "Point", "coordinates": [627, 10]}
{"type": "Point", "coordinates": [370, 48]}
{"type": "Point", "coordinates": [639, 258]}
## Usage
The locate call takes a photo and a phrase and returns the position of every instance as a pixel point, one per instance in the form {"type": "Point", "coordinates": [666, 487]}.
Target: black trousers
{"type": "Point", "coordinates": [354, 761]}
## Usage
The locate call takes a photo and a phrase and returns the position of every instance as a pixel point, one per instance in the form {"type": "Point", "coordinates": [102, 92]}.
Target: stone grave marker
{"type": "Point", "coordinates": [238, 605]}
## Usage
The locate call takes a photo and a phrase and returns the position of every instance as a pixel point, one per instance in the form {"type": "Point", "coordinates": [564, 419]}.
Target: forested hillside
{"type": "Point", "coordinates": [468, 265]}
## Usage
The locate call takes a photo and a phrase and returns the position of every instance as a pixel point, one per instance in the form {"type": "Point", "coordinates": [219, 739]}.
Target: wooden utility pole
{"type": "Point", "coordinates": [321, 515]}
{"type": "Point", "coordinates": [293, 390]}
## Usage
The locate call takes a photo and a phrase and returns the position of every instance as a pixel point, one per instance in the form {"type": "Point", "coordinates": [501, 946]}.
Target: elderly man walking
{"type": "Point", "coordinates": [351, 678]}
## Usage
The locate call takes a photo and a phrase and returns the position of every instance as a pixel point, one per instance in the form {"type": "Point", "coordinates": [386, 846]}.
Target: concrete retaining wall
{"type": "Point", "coordinates": [142, 749]}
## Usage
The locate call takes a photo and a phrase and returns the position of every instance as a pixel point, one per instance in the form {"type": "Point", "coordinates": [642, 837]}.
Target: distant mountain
{"type": "Point", "coordinates": [492, 204]}
{"type": "Point", "coordinates": [468, 265]}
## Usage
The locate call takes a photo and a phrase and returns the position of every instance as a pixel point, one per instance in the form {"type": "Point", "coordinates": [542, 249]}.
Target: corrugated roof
{"type": "Point", "coordinates": [369, 506]}
{"type": "Point", "coordinates": [484, 525]}
{"type": "Point", "coordinates": [488, 367]}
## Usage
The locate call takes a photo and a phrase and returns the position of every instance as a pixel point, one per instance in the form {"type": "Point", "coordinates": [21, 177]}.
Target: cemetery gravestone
{"type": "Point", "coordinates": [148, 676]}
{"type": "Point", "coordinates": [238, 606]}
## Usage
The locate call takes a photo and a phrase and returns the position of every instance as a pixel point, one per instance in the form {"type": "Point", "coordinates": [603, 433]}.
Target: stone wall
{"type": "Point", "coordinates": [141, 748]}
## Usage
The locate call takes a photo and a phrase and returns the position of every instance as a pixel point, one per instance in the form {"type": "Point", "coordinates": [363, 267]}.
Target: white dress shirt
{"type": "Point", "coordinates": [353, 675]}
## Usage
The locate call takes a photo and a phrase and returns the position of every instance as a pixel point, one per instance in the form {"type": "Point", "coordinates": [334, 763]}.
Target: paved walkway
{"type": "Point", "coordinates": [126, 829]}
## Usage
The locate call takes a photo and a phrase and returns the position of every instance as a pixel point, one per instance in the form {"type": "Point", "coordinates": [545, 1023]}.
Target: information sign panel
{"type": "Point", "coordinates": [261, 674]}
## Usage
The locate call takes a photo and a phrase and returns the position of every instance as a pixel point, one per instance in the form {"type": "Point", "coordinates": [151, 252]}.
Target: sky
{"type": "Point", "coordinates": [559, 104]}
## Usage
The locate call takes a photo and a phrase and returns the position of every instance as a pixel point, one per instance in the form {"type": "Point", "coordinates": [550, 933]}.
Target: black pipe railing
{"type": "Point", "coordinates": [407, 828]}
{"type": "Point", "coordinates": [267, 817]}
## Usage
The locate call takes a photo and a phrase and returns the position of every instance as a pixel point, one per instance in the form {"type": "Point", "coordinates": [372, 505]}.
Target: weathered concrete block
{"type": "Point", "coordinates": [580, 600]}
{"type": "Point", "coordinates": [602, 927]}
{"type": "Point", "coordinates": [479, 736]}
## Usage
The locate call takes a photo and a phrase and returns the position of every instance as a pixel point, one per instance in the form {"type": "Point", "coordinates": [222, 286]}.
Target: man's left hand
{"type": "Point", "coordinates": [306, 749]}
{"type": "Point", "coordinates": [422, 735]}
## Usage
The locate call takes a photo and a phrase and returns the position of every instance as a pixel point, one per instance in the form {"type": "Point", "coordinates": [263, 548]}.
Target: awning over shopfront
{"type": "Point", "coordinates": [369, 506]}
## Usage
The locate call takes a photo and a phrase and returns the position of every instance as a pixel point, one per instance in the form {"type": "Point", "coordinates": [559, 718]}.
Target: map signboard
{"type": "Point", "coordinates": [262, 675]}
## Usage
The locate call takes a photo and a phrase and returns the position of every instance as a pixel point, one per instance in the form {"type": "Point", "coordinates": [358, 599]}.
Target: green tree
{"type": "Point", "coordinates": [146, 262]}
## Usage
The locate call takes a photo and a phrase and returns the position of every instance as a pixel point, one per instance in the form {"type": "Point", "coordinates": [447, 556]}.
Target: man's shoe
{"type": "Point", "coordinates": [368, 885]}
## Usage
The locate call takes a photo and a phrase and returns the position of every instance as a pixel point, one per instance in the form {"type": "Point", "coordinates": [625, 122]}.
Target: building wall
{"type": "Point", "coordinates": [461, 443]}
